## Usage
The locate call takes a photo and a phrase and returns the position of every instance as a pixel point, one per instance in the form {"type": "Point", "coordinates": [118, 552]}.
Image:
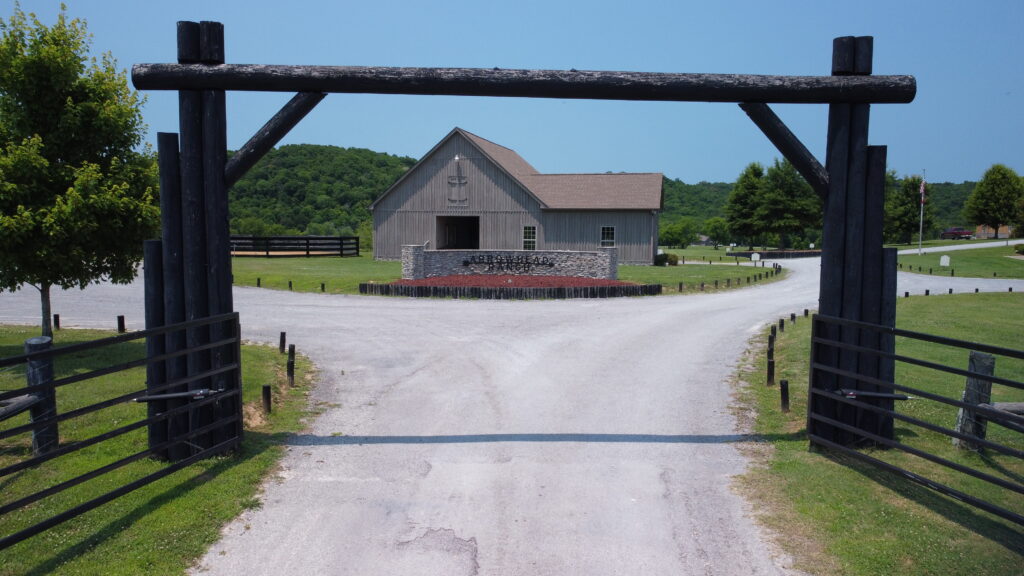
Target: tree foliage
{"type": "Point", "coordinates": [680, 233]}
{"type": "Point", "coordinates": [309, 189]}
{"type": "Point", "coordinates": [717, 230]}
{"type": "Point", "coordinates": [787, 205]}
{"type": "Point", "coordinates": [740, 210]}
{"type": "Point", "coordinates": [77, 197]}
{"type": "Point", "coordinates": [903, 208]}
{"type": "Point", "coordinates": [994, 200]}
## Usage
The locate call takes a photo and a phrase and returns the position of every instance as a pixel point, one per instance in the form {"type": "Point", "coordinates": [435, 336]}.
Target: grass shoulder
{"type": "Point", "coordinates": [162, 528]}
{"type": "Point", "coordinates": [836, 515]}
{"type": "Point", "coordinates": [998, 262]}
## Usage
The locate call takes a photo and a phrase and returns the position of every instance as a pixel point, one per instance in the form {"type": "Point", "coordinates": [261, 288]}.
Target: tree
{"type": "Point", "coordinates": [717, 230]}
{"type": "Point", "coordinates": [681, 233]}
{"type": "Point", "coordinates": [787, 205]}
{"type": "Point", "coordinates": [994, 200]}
{"type": "Point", "coordinates": [741, 208]}
{"type": "Point", "coordinates": [903, 208]}
{"type": "Point", "coordinates": [77, 198]}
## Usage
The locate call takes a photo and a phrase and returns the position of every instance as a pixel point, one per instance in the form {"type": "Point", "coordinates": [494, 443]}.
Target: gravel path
{"type": "Point", "coordinates": [498, 437]}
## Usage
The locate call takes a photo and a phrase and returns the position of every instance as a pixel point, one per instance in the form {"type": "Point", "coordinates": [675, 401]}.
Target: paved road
{"type": "Point", "coordinates": [497, 437]}
{"type": "Point", "coordinates": [964, 246]}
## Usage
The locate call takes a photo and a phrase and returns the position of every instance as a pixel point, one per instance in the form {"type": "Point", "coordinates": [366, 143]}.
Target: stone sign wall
{"type": "Point", "coordinates": [418, 262]}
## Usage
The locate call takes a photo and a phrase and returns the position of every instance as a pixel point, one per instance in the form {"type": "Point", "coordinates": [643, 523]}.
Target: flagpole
{"type": "Point", "coordinates": [920, 224]}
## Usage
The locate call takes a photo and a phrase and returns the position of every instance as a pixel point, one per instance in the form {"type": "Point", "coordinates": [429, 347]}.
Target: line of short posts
{"type": "Point", "coordinates": [784, 393]}
{"type": "Point", "coordinates": [291, 365]}
{"type": "Point", "coordinates": [771, 358]}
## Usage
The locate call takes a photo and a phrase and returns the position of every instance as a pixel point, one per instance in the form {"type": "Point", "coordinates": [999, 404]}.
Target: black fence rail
{"type": "Point", "coordinates": [943, 414]}
{"type": "Point", "coordinates": [293, 246]}
{"type": "Point", "coordinates": [116, 412]}
{"type": "Point", "coordinates": [510, 293]}
{"type": "Point", "coordinates": [776, 254]}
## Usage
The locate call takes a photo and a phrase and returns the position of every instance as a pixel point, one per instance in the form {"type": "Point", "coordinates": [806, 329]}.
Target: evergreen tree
{"type": "Point", "coordinates": [787, 205]}
{"type": "Point", "coordinates": [741, 208]}
{"type": "Point", "coordinates": [994, 200]}
{"type": "Point", "coordinates": [77, 198]}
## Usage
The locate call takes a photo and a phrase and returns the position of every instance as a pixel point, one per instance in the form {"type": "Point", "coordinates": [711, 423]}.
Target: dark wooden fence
{"type": "Point", "coordinates": [925, 416]}
{"type": "Point", "coordinates": [292, 246]}
{"type": "Point", "coordinates": [184, 420]}
{"type": "Point", "coordinates": [776, 254]}
{"type": "Point", "coordinates": [509, 293]}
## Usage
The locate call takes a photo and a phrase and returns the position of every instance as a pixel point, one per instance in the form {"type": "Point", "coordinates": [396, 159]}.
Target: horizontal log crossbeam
{"type": "Point", "coordinates": [570, 84]}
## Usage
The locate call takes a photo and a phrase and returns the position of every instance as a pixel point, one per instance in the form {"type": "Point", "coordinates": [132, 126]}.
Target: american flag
{"type": "Point", "coordinates": [922, 191]}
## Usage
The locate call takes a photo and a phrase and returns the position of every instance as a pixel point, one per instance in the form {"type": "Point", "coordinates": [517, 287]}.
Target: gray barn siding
{"type": "Point", "coordinates": [634, 231]}
{"type": "Point", "coordinates": [408, 214]}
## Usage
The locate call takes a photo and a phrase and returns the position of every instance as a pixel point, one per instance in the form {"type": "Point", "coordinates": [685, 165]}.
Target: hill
{"type": "Point", "coordinates": [312, 189]}
{"type": "Point", "coordinates": [698, 201]}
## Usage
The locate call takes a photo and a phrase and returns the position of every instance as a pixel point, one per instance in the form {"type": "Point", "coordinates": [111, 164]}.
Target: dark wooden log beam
{"type": "Point", "coordinates": [573, 84]}
{"type": "Point", "coordinates": [271, 133]}
{"type": "Point", "coordinates": [789, 145]}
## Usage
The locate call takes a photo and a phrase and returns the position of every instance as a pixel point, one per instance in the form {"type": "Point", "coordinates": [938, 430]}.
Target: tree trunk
{"type": "Point", "coordinates": [44, 295]}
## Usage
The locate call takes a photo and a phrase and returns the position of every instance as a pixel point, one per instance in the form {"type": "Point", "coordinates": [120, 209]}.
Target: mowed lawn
{"type": "Point", "coordinates": [343, 275]}
{"type": "Point", "coordinates": [840, 516]}
{"type": "Point", "coordinates": [996, 262]}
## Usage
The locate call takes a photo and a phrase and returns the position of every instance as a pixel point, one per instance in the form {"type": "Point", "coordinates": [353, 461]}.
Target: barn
{"type": "Point", "coordinates": [468, 193]}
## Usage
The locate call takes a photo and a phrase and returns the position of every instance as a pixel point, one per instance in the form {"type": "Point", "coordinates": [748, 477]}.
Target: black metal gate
{"type": "Point", "coordinates": [145, 413]}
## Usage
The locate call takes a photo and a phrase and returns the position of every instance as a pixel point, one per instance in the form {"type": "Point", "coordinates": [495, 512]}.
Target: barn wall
{"type": "Point", "coordinates": [636, 233]}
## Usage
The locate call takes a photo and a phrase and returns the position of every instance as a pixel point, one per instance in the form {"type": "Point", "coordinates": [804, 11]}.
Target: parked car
{"type": "Point", "coordinates": [956, 233]}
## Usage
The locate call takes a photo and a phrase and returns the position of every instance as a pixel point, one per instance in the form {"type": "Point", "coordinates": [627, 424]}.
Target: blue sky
{"type": "Point", "coordinates": [968, 59]}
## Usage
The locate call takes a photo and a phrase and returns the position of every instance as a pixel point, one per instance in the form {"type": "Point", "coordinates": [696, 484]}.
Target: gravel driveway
{"type": "Point", "coordinates": [501, 437]}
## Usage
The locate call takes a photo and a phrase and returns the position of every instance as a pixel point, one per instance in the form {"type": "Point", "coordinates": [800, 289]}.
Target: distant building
{"type": "Point", "coordinates": [983, 231]}
{"type": "Point", "coordinates": [470, 193]}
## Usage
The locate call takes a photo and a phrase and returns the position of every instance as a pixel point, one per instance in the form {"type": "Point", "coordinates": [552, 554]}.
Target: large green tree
{"type": "Point", "coordinates": [741, 208]}
{"type": "Point", "coordinates": [717, 230]}
{"type": "Point", "coordinates": [994, 200]}
{"type": "Point", "coordinates": [77, 196]}
{"type": "Point", "coordinates": [787, 205]}
{"type": "Point", "coordinates": [903, 209]}
{"type": "Point", "coordinates": [681, 233]}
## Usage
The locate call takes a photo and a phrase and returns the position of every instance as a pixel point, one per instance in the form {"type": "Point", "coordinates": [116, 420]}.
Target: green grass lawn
{"type": "Point", "coordinates": [839, 516]}
{"type": "Point", "coordinates": [343, 275]}
{"type": "Point", "coordinates": [977, 263]}
{"type": "Point", "coordinates": [938, 242]}
{"type": "Point", "coordinates": [160, 528]}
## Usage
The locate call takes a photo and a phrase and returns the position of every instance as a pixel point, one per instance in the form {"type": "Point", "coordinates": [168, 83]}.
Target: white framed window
{"type": "Point", "coordinates": [529, 237]}
{"type": "Point", "coordinates": [607, 236]}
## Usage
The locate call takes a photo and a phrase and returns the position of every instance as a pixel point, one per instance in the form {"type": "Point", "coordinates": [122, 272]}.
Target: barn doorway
{"type": "Point", "coordinates": [458, 233]}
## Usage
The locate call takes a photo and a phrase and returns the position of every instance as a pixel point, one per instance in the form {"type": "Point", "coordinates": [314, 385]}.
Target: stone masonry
{"type": "Point", "coordinates": [418, 262]}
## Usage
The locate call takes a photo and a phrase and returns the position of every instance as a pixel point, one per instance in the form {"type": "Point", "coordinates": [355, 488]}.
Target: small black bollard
{"type": "Point", "coordinates": [701, 286]}
{"type": "Point", "coordinates": [806, 312]}
{"type": "Point", "coordinates": [906, 294]}
{"type": "Point", "coordinates": [120, 325]}
{"type": "Point", "coordinates": [257, 281]}
{"type": "Point", "coordinates": [784, 393]}
{"type": "Point", "coordinates": [782, 324]}
{"type": "Point", "coordinates": [728, 282]}
{"type": "Point", "coordinates": [927, 292]}
{"type": "Point", "coordinates": [950, 290]}
{"type": "Point", "coordinates": [771, 372]}
{"type": "Point", "coordinates": [289, 284]}
{"type": "Point", "coordinates": [680, 286]}
{"type": "Point", "coordinates": [792, 318]}
{"type": "Point", "coordinates": [975, 290]}
{"type": "Point", "coordinates": [323, 287]}
{"type": "Point", "coordinates": [716, 284]}
{"type": "Point", "coordinates": [773, 330]}
{"type": "Point", "coordinates": [929, 270]}
{"type": "Point", "coordinates": [291, 364]}
{"type": "Point", "coordinates": [56, 321]}
{"type": "Point", "coordinates": [1011, 288]}
{"type": "Point", "coordinates": [951, 272]}
{"type": "Point", "coordinates": [282, 343]}
{"type": "Point", "coordinates": [266, 399]}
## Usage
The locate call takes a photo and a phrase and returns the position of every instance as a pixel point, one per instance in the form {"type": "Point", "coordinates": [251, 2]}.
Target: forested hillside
{"type": "Point", "coordinates": [948, 201]}
{"type": "Point", "coordinates": [310, 189]}
{"type": "Point", "coordinates": [698, 201]}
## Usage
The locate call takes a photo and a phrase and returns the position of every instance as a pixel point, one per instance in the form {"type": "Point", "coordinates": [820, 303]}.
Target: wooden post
{"type": "Point", "coordinates": [976, 391]}
{"type": "Point", "coordinates": [281, 345]}
{"type": "Point", "coordinates": [784, 394]}
{"type": "Point", "coordinates": [291, 364]}
{"type": "Point", "coordinates": [156, 374]}
{"type": "Point", "coordinates": [120, 324]}
{"type": "Point", "coordinates": [267, 404]}
{"type": "Point", "coordinates": [39, 372]}
{"type": "Point", "coordinates": [56, 321]}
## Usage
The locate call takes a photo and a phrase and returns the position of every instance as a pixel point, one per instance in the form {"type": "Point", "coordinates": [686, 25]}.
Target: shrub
{"type": "Point", "coordinates": [660, 259]}
{"type": "Point", "coordinates": [673, 259]}
{"type": "Point", "coordinates": [1019, 248]}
